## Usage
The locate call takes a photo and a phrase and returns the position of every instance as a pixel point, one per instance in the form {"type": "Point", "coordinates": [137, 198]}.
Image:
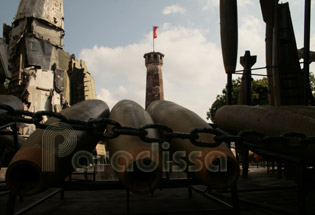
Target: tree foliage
{"type": "Point", "coordinates": [259, 95]}
{"type": "Point", "coordinates": [312, 83]}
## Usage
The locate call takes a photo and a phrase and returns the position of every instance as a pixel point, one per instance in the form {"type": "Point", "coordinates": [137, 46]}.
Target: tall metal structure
{"type": "Point", "coordinates": [154, 85]}
{"type": "Point", "coordinates": [229, 41]}
{"type": "Point", "coordinates": [41, 73]}
{"type": "Point", "coordinates": [35, 43]}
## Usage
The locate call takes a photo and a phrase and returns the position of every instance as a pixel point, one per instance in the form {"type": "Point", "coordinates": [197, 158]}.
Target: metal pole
{"type": "Point", "coordinates": [153, 38]}
{"type": "Point", "coordinates": [229, 89]}
{"type": "Point", "coordinates": [247, 61]}
{"type": "Point", "coordinates": [307, 26]}
{"type": "Point", "coordinates": [248, 77]}
{"type": "Point", "coordinates": [153, 44]}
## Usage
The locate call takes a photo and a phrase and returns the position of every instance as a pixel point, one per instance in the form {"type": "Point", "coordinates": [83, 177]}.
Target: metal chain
{"type": "Point", "coordinates": [166, 134]}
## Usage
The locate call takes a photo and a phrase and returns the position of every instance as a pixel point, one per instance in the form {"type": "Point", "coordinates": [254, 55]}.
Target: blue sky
{"type": "Point", "coordinates": [113, 35]}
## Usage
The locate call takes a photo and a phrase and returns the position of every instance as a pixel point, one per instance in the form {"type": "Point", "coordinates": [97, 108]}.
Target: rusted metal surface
{"type": "Point", "coordinates": [285, 78]}
{"type": "Point", "coordinates": [37, 61]}
{"type": "Point", "coordinates": [47, 10]}
{"type": "Point", "coordinates": [312, 55]}
{"type": "Point", "coordinates": [82, 85]}
{"type": "Point", "coordinates": [47, 32]}
{"type": "Point", "coordinates": [37, 165]}
{"type": "Point", "coordinates": [229, 35]}
{"type": "Point", "coordinates": [154, 84]}
{"type": "Point", "coordinates": [273, 121]}
{"type": "Point", "coordinates": [199, 159]}
{"type": "Point", "coordinates": [268, 9]}
{"type": "Point", "coordinates": [269, 41]}
{"type": "Point", "coordinates": [137, 163]}
{"type": "Point", "coordinates": [268, 120]}
{"type": "Point", "coordinates": [245, 94]}
{"type": "Point", "coordinates": [4, 66]}
{"type": "Point", "coordinates": [229, 40]}
{"type": "Point", "coordinates": [40, 53]}
{"type": "Point", "coordinates": [308, 111]}
{"type": "Point", "coordinates": [33, 43]}
{"type": "Point", "coordinates": [287, 74]}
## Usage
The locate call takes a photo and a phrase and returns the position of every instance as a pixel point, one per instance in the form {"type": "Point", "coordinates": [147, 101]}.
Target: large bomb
{"type": "Point", "coordinates": [46, 158]}
{"type": "Point", "coordinates": [272, 121]}
{"type": "Point", "coordinates": [213, 166]}
{"type": "Point", "coordinates": [136, 162]}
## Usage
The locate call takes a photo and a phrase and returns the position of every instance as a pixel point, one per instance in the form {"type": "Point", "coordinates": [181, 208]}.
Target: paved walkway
{"type": "Point", "coordinates": [258, 189]}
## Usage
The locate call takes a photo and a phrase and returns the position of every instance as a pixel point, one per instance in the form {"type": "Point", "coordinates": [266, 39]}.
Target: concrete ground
{"type": "Point", "coordinates": [258, 190]}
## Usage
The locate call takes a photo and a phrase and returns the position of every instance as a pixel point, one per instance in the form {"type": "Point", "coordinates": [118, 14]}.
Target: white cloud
{"type": "Point", "coordinates": [245, 2]}
{"type": "Point", "coordinates": [312, 48]}
{"type": "Point", "coordinates": [193, 73]}
{"type": "Point", "coordinates": [299, 2]}
{"type": "Point", "coordinates": [106, 96]}
{"type": "Point", "coordinates": [211, 4]}
{"type": "Point", "coordinates": [172, 9]}
{"type": "Point", "coordinates": [252, 37]}
{"type": "Point", "coordinates": [312, 42]}
{"type": "Point", "coordinates": [122, 90]}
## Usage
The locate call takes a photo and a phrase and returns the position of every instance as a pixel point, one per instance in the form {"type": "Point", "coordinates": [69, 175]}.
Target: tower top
{"type": "Point", "coordinates": [48, 10]}
{"type": "Point", "coordinates": [154, 58]}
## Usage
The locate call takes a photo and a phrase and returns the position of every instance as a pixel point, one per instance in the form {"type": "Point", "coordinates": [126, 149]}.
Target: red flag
{"type": "Point", "coordinates": [154, 31]}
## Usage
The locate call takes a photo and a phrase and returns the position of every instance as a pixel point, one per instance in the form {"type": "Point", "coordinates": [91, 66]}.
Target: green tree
{"type": "Point", "coordinates": [259, 95]}
{"type": "Point", "coordinates": [312, 83]}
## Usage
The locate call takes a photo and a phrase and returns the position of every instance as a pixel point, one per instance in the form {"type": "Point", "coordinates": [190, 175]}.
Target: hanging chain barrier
{"type": "Point", "coordinates": [114, 129]}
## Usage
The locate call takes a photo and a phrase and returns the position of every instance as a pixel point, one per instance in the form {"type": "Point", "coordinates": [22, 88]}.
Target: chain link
{"type": "Point", "coordinates": [164, 131]}
{"type": "Point", "coordinates": [166, 134]}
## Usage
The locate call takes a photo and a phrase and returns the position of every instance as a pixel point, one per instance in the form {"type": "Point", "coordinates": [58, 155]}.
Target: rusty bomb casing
{"type": "Point", "coordinates": [202, 161]}
{"type": "Point", "coordinates": [136, 162]}
{"type": "Point", "coordinates": [272, 121]}
{"type": "Point", "coordinates": [46, 158]}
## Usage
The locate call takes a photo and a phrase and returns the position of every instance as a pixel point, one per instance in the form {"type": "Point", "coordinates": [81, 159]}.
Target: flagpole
{"type": "Point", "coordinates": [153, 38]}
{"type": "Point", "coordinates": [154, 34]}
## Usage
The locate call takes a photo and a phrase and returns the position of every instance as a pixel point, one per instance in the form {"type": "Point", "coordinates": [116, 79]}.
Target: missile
{"type": "Point", "coordinates": [265, 119]}
{"type": "Point", "coordinates": [308, 111]}
{"type": "Point", "coordinates": [47, 156]}
{"type": "Point", "coordinates": [204, 162]}
{"type": "Point", "coordinates": [229, 35]}
{"type": "Point", "coordinates": [136, 162]}
{"type": "Point", "coordinates": [272, 121]}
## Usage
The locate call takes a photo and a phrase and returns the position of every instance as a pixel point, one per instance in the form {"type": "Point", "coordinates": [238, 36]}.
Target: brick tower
{"type": "Point", "coordinates": [154, 86]}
